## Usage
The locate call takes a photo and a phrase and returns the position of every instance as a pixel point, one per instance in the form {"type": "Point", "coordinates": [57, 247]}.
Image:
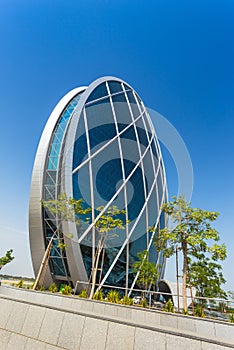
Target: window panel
{"type": "Point", "coordinates": [98, 92]}
{"type": "Point", "coordinates": [100, 118]}
{"type": "Point", "coordinates": [114, 87]}
{"type": "Point", "coordinates": [81, 185]}
{"type": "Point", "coordinates": [129, 146]}
{"type": "Point", "coordinates": [160, 187]}
{"type": "Point", "coordinates": [149, 171]}
{"type": "Point", "coordinates": [80, 146]}
{"type": "Point", "coordinates": [133, 104]}
{"type": "Point", "coordinates": [136, 191]}
{"type": "Point", "coordinates": [121, 109]}
{"type": "Point", "coordinates": [138, 238]}
{"type": "Point", "coordinates": [107, 172]}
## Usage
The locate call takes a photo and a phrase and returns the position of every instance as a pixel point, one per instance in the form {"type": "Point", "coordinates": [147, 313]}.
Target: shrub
{"type": "Point", "coordinates": [222, 306]}
{"type": "Point", "coordinates": [198, 311]}
{"type": "Point", "coordinates": [62, 285]}
{"type": "Point", "coordinates": [143, 303]}
{"type": "Point", "coordinates": [185, 312]}
{"type": "Point", "coordinates": [53, 288]}
{"type": "Point", "coordinates": [113, 296]}
{"type": "Point", "coordinates": [42, 289]}
{"type": "Point", "coordinates": [67, 290]}
{"type": "Point", "coordinates": [98, 295]}
{"type": "Point", "coordinates": [127, 300]}
{"type": "Point", "coordinates": [169, 306]}
{"type": "Point", "coordinates": [83, 294]}
{"type": "Point", "coordinates": [231, 317]}
{"type": "Point", "coordinates": [20, 284]}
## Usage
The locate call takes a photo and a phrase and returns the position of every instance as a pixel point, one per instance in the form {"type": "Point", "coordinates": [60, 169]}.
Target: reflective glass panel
{"type": "Point", "coordinates": [122, 112]}
{"type": "Point", "coordinates": [133, 104]}
{"type": "Point", "coordinates": [98, 92]}
{"type": "Point", "coordinates": [114, 87]}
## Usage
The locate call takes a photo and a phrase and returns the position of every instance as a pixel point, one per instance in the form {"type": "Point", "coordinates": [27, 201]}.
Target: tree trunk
{"type": "Point", "coordinates": [177, 281]}
{"type": "Point", "coordinates": [94, 272]}
{"type": "Point", "coordinates": [185, 268]}
{"type": "Point", "coordinates": [44, 261]}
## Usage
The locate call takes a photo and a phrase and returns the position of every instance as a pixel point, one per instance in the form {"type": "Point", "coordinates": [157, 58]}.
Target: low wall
{"type": "Point", "coordinates": [42, 321]}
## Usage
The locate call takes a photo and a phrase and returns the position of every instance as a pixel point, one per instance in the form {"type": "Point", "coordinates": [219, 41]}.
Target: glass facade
{"type": "Point", "coordinates": [116, 160]}
{"type": "Point", "coordinates": [58, 258]}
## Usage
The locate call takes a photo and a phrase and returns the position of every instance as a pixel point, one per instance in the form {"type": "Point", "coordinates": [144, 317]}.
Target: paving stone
{"type": "Point", "coordinates": [71, 331]}
{"type": "Point", "coordinates": [33, 321]}
{"type": "Point", "coordinates": [52, 347]}
{"type": "Point", "coordinates": [6, 307]}
{"type": "Point", "coordinates": [120, 336]}
{"type": "Point", "coordinates": [210, 346]}
{"type": "Point", "coordinates": [94, 334]}
{"type": "Point", "coordinates": [225, 332]}
{"type": "Point", "coordinates": [17, 316]}
{"type": "Point", "coordinates": [150, 340]}
{"type": "Point", "coordinates": [174, 342]}
{"type": "Point", "coordinates": [4, 339]}
{"type": "Point", "coordinates": [51, 326]}
{"type": "Point", "coordinates": [16, 342]}
{"type": "Point", "coordinates": [35, 345]}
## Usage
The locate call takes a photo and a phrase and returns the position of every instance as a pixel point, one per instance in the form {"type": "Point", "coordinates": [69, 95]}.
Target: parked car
{"type": "Point", "coordinates": [137, 300]}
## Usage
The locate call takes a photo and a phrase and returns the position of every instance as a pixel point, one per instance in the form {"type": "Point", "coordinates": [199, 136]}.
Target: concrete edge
{"type": "Point", "coordinates": [189, 317]}
{"type": "Point", "coordinates": [161, 329]}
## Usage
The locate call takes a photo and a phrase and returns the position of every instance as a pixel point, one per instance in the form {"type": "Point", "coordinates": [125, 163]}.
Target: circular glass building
{"type": "Point", "coordinates": [99, 145]}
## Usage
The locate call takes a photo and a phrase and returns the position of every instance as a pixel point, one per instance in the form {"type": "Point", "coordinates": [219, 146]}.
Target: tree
{"type": "Point", "coordinates": [106, 224]}
{"type": "Point", "coordinates": [193, 234]}
{"type": "Point", "coordinates": [69, 209]}
{"type": "Point", "coordinates": [206, 276]}
{"type": "Point", "coordinates": [147, 271]}
{"type": "Point", "coordinates": [7, 258]}
{"type": "Point", "coordinates": [63, 209]}
{"type": "Point", "coordinates": [231, 294]}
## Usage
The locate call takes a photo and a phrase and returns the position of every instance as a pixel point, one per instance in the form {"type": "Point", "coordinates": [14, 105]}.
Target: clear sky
{"type": "Point", "coordinates": [178, 55]}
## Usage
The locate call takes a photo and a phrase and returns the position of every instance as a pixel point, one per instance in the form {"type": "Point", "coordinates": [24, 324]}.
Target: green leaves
{"type": "Point", "coordinates": [193, 226]}
{"type": "Point", "coordinates": [66, 208]}
{"type": "Point", "coordinates": [218, 252]}
{"type": "Point", "coordinates": [206, 276]}
{"type": "Point", "coordinates": [148, 272]}
{"type": "Point", "coordinates": [112, 219]}
{"type": "Point", "coordinates": [198, 241]}
{"type": "Point", "coordinates": [7, 258]}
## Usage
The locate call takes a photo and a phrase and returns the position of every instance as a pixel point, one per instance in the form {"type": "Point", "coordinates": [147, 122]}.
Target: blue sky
{"type": "Point", "coordinates": [178, 55]}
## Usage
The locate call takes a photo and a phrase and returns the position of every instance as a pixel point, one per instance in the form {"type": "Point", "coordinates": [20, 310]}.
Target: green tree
{"type": "Point", "coordinates": [63, 209]}
{"type": "Point", "coordinates": [231, 294]}
{"type": "Point", "coordinates": [106, 225]}
{"type": "Point", "coordinates": [206, 276]}
{"type": "Point", "coordinates": [7, 258]}
{"type": "Point", "coordinates": [66, 209]}
{"type": "Point", "coordinates": [193, 234]}
{"type": "Point", "coordinates": [147, 271]}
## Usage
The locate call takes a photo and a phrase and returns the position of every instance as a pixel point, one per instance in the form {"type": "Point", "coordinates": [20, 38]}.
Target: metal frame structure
{"type": "Point", "coordinates": [55, 170]}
